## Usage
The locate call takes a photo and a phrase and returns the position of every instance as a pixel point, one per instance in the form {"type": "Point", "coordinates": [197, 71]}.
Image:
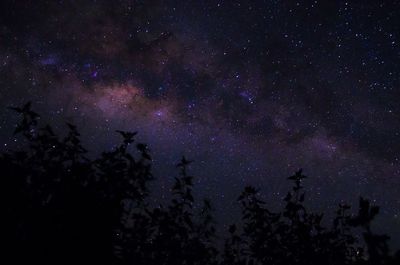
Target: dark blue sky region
{"type": "Point", "coordinates": [250, 90]}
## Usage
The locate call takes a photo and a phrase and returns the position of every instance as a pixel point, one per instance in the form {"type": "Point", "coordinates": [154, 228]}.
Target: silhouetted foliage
{"type": "Point", "coordinates": [62, 207]}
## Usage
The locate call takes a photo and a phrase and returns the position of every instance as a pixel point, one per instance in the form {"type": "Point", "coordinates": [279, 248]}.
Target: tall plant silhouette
{"type": "Point", "coordinates": [62, 207]}
{"type": "Point", "coordinates": [297, 236]}
{"type": "Point", "coordinates": [182, 236]}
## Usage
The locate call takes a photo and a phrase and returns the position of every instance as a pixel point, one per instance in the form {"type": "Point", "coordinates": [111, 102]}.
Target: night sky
{"type": "Point", "coordinates": [250, 90]}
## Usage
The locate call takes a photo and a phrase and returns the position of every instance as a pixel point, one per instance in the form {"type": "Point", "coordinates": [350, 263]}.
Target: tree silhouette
{"type": "Point", "coordinates": [61, 207]}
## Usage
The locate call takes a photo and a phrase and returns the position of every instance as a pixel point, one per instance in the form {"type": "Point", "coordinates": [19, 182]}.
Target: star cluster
{"type": "Point", "coordinates": [250, 90]}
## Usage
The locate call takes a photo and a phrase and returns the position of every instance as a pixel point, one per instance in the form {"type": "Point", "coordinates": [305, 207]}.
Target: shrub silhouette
{"type": "Point", "coordinates": [61, 207]}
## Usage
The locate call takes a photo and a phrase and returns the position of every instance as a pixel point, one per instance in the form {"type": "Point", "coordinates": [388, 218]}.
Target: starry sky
{"type": "Point", "coordinates": [250, 90]}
